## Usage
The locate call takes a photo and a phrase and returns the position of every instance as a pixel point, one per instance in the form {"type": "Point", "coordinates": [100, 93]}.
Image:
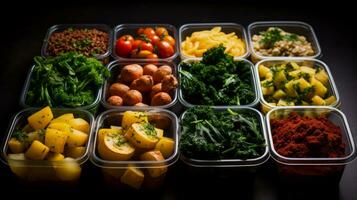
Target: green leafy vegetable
{"type": "Point", "coordinates": [217, 80]}
{"type": "Point", "coordinates": [69, 80]}
{"type": "Point", "coordinates": [273, 35]}
{"type": "Point", "coordinates": [207, 134]}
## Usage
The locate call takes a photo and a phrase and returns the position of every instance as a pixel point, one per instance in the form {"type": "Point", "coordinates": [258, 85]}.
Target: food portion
{"type": "Point", "coordinates": [138, 85]}
{"type": "Point", "coordinates": [211, 135]}
{"type": "Point", "coordinates": [200, 41]}
{"type": "Point", "coordinates": [139, 138]}
{"type": "Point", "coordinates": [68, 80]}
{"type": "Point", "coordinates": [290, 84]}
{"type": "Point", "coordinates": [298, 136]}
{"type": "Point", "coordinates": [148, 43]}
{"type": "Point", "coordinates": [87, 41]}
{"type": "Point", "coordinates": [277, 42]}
{"type": "Point", "coordinates": [217, 80]}
{"type": "Point", "coordinates": [52, 138]}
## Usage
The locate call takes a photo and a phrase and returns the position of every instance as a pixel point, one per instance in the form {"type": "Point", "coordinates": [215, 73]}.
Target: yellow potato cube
{"type": "Point", "coordinates": [308, 70]}
{"type": "Point", "coordinates": [322, 77]}
{"type": "Point", "coordinates": [37, 151]}
{"type": "Point", "coordinates": [54, 156]}
{"type": "Point", "coordinates": [41, 118]}
{"type": "Point", "coordinates": [80, 124]}
{"type": "Point", "coordinates": [166, 146]}
{"type": "Point", "coordinates": [317, 100]}
{"type": "Point", "coordinates": [279, 94]}
{"type": "Point", "coordinates": [61, 126]}
{"type": "Point", "coordinates": [320, 89]}
{"type": "Point", "coordinates": [55, 140]}
{"type": "Point", "coordinates": [16, 146]}
{"type": "Point", "coordinates": [279, 78]}
{"type": "Point", "coordinates": [295, 65]}
{"type": "Point", "coordinates": [69, 170]}
{"type": "Point", "coordinates": [290, 90]}
{"type": "Point", "coordinates": [267, 90]}
{"type": "Point", "coordinates": [303, 84]}
{"type": "Point", "coordinates": [160, 132]}
{"type": "Point", "coordinates": [154, 156]}
{"type": "Point", "coordinates": [285, 103]}
{"type": "Point", "coordinates": [295, 73]}
{"type": "Point", "coordinates": [76, 138]}
{"type": "Point", "coordinates": [74, 152]}
{"type": "Point", "coordinates": [65, 118]}
{"type": "Point", "coordinates": [131, 117]}
{"type": "Point", "coordinates": [330, 100]}
{"type": "Point", "coordinates": [133, 177]}
{"type": "Point", "coordinates": [263, 71]}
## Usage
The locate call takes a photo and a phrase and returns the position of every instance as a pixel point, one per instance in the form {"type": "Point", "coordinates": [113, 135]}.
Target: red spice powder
{"type": "Point", "coordinates": [307, 137]}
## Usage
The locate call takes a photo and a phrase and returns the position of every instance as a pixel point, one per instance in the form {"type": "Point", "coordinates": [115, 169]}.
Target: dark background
{"type": "Point", "coordinates": [24, 27]}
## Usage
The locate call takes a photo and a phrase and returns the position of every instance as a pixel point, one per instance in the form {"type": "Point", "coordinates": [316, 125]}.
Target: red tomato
{"type": "Point", "coordinates": [154, 39]}
{"type": "Point", "coordinates": [123, 48]}
{"type": "Point", "coordinates": [165, 49]}
{"type": "Point", "coordinates": [170, 40]}
{"type": "Point", "coordinates": [127, 38]}
{"type": "Point", "coordinates": [161, 30]}
{"type": "Point", "coordinates": [140, 31]}
{"type": "Point", "coordinates": [152, 56]}
{"type": "Point", "coordinates": [149, 32]}
{"type": "Point", "coordinates": [137, 43]}
{"type": "Point", "coordinates": [147, 46]}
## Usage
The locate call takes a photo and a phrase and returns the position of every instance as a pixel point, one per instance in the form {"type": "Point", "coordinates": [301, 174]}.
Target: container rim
{"type": "Point", "coordinates": [332, 83]}
{"type": "Point", "coordinates": [253, 82]}
{"type": "Point", "coordinates": [311, 161]}
{"type": "Point", "coordinates": [27, 86]}
{"type": "Point", "coordinates": [137, 25]}
{"type": "Point", "coordinates": [231, 162]}
{"type": "Point", "coordinates": [45, 163]}
{"type": "Point", "coordinates": [115, 63]}
{"type": "Point", "coordinates": [99, 162]}
{"type": "Point", "coordinates": [286, 23]}
{"type": "Point", "coordinates": [103, 27]}
{"type": "Point", "coordinates": [222, 25]}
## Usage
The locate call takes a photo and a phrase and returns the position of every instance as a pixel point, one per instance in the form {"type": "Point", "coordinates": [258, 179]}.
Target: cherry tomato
{"type": "Point", "coordinates": [165, 49]}
{"type": "Point", "coordinates": [123, 48]}
{"type": "Point", "coordinates": [127, 38]}
{"type": "Point", "coordinates": [170, 40]}
{"type": "Point", "coordinates": [161, 30]}
{"type": "Point", "coordinates": [140, 31]}
{"type": "Point", "coordinates": [152, 56]}
{"type": "Point", "coordinates": [149, 32]}
{"type": "Point", "coordinates": [136, 44]}
{"type": "Point", "coordinates": [154, 39]}
{"type": "Point", "coordinates": [147, 46]}
{"type": "Point", "coordinates": [136, 53]}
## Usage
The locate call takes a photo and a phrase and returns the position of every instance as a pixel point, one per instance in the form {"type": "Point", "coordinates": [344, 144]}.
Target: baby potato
{"type": "Point", "coordinates": [150, 69]}
{"type": "Point", "coordinates": [140, 104]}
{"type": "Point", "coordinates": [161, 73]}
{"type": "Point", "coordinates": [169, 82]}
{"type": "Point", "coordinates": [166, 146]}
{"type": "Point", "coordinates": [118, 89]}
{"type": "Point", "coordinates": [161, 98]}
{"type": "Point", "coordinates": [132, 97]}
{"type": "Point", "coordinates": [131, 117]}
{"type": "Point", "coordinates": [141, 136]}
{"type": "Point", "coordinates": [142, 84]}
{"type": "Point", "coordinates": [156, 89]}
{"type": "Point", "coordinates": [154, 156]}
{"type": "Point", "coordinates": [115, 101]}
{"type": "Point", "coordinates": [115, 147]}
{"type": "Point", "coordinates": [130, 73]}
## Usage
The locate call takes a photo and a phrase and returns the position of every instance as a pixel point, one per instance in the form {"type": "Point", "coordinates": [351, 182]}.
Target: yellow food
{"type": "Point", "coordinates": [65, 118]}
{"type": "Point", "coordinates": [133, 177]}
{"type": "Point", "coordinates": [154, 156]}
{"type": "Point", "coordinates": [166, 146]}
{"type": "Point", "coordinates": [79, 124]}
{"type": "Point", "coordinates": [37, 151]}
{"type": "Point", "coordinates": [41, 118]}
{"type": "Point", "coordinates": [142, 135]}
{"type": "Point", "coordinates": [104, 131]}
{"type": "Point", "coordinates": [55, 140]}
{"type": "Point", "coordinates": [54, 156]}
{"type": "Point", "coordinates": [17, 169]}
{"type": "Point", "coordinates": [200, 41]}
{"type": "Point", "coordinates": [74, 152]}
{"type": "Point", "coordinates": [69, 170]}
{"type": "Point", "coordinates": [16, 146]}
{"type": "Point", "coordinates": [61, 126]}
{"type": "Point", "coordinates": [76, 138]}
{"type": "Point", "coordinates": [131, 117]}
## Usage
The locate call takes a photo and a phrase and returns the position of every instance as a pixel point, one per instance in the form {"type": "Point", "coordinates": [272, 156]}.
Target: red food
{"type": "Point", "coordinates": [165, 49]}
{"type": "Point", "coordinates": [161, 31]}
{"type": "Point", "coordinates": [170, 40]}
{"type": "Point", "coordinates": [154, 39]}
{"type": "Point", "coordinates": [147, 46]}
{"type": "Point", "coordinates": [149, 32]}
{"type": "Point", "coordinates": [137, 44]}
{"type": "Point", "coordinates": [123, 46]}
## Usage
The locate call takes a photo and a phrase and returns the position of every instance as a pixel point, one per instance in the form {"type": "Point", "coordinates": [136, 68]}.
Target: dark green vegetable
{"type": "Point", "coordinates": [69, 80]}
{"type": "Point", "coordinates": [217, 80]}
{"type": "Point", "coordinates": [207, 134]}
{"type": "Point", "coordinates": [273, 35]}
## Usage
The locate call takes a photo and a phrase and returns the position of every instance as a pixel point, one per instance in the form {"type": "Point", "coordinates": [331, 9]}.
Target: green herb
{"type": "Point", "coordinates": [69, 79]}
{"type": "Point", "coordinates": [217, 80]}
{"type": "Point", "coordinates": [149, 129]}
{"type": "Point", "coordinates": [207, 134]}
{"type": "Point", "coordinates": [20, 136]}
{"type": "Point", "coordinates": [273, 35]}
{"type": "Point", "coordinates": [119, 139]}
{"type": "Point", "coordinates": [268, 83]}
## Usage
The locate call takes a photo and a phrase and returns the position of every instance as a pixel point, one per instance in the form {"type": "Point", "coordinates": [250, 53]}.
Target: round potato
{"type": "Point", "coordinates": [160, 99]}
{"type": "Point", "coordinates": [132, 97]}
{"type": "Point", "coordinates": [140, 104]}
{"type": "Point", "coordinates": [161, 73]}
{"type": "Point", "coordinates": [115, 101]}
{"type": "Point", "coordinates": [150, 69]}
{"type": "Point", "coordinates": [155, 89]}
{"type": "Point", "coordinates": [118, 89]}
{"type": "Point", "coordinates": [142, 84]}
{"type": "Point", "coordinates": [130, 72]}
{"type": "Point", "coordinates": [169, 82]}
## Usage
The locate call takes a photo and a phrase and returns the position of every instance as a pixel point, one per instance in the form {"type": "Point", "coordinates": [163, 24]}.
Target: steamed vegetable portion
{"type": "Point", "coordinates": [277, 42]}
{"type": "Point", "coordinates": [217, 80]}
{"type": "Point", "coordinates": [63, 138]}
{"type": "Point", "coordinates": [290, 84]}
{"type": "Point", "coordinates": [200, 41]}
{"type": "Point", "coordinates": [139, 138]}
{"type": "Point", "coordinates": [209, 134]}
{"type": "Point", "coordinates": [138, 85]}
{"type": "Point", "coordinates": [68, 80]}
